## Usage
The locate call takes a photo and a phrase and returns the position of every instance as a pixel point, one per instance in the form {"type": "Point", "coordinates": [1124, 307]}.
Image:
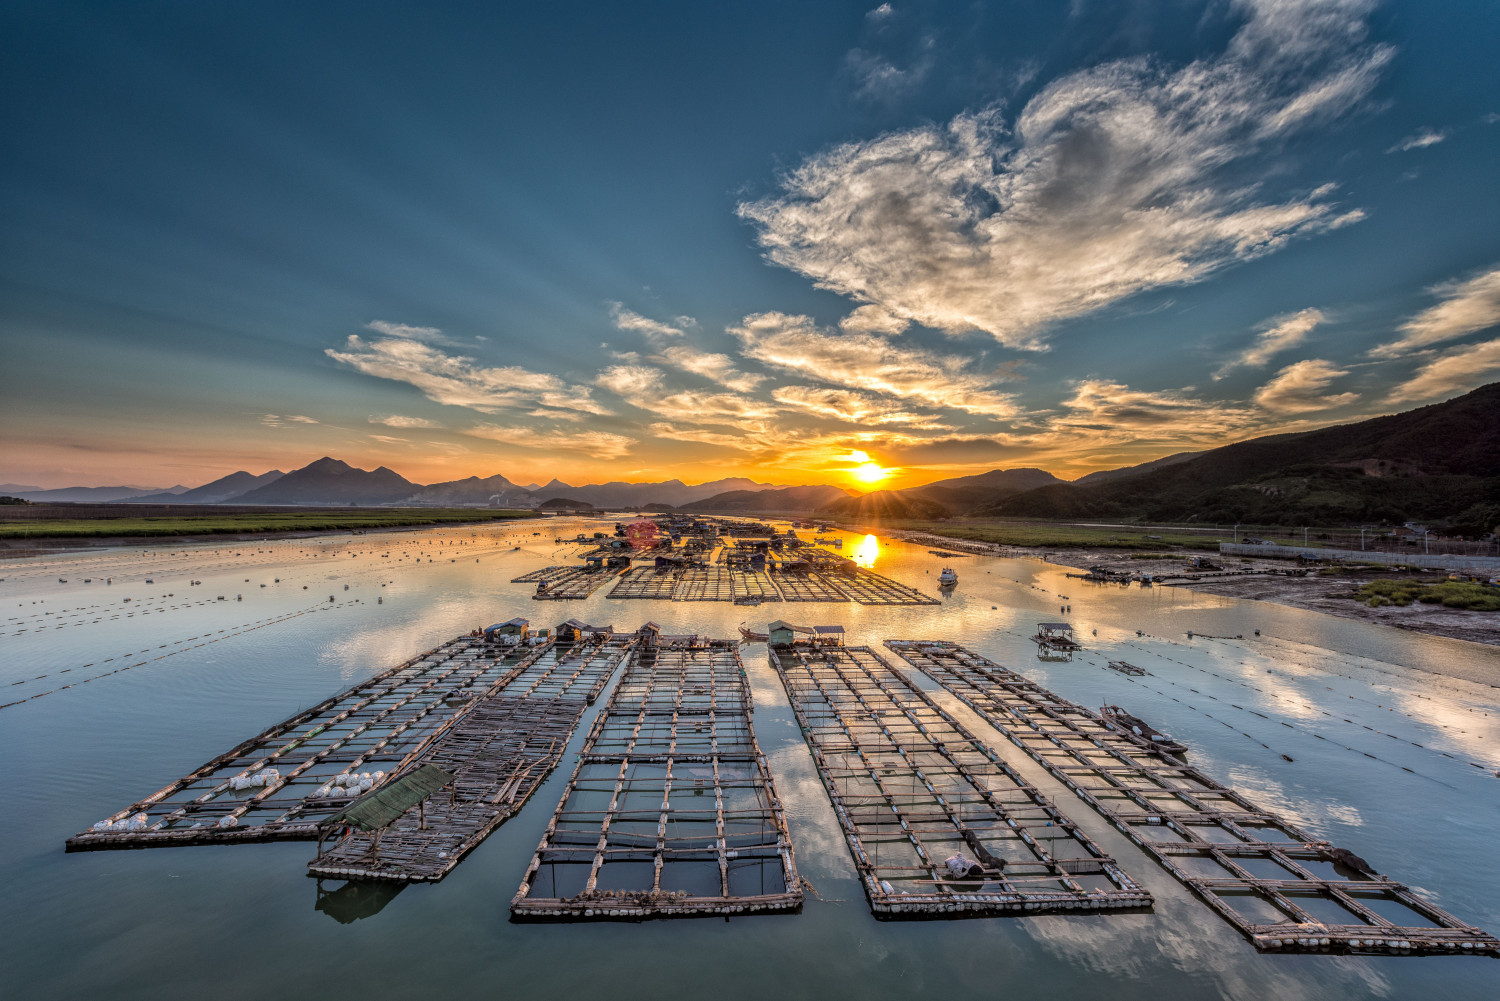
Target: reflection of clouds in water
{"type": "Point", "coordinates": [1185, 933]}
{"type": "Point", "coordinates": [816, 836]}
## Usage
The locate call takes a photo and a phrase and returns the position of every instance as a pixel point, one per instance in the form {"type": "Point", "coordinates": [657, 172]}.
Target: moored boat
{"type": "Point", "coordinates": [1136, 729]}
{"type": "Point", "coordinates": [947, 578]}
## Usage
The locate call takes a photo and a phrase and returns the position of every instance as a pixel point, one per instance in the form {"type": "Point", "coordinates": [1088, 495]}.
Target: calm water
{"type": "Point", "coordinates": [232, 922]}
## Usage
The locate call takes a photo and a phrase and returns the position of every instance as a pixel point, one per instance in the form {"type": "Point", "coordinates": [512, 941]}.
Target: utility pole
{"type": "Point", "coordinates": [1361, 538]}
{"type": "Point", "coordinates": [1304, 536]}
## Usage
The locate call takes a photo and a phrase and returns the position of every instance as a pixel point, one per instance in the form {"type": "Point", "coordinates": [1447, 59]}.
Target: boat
{"type": "Point", "coordinates": [753, 637]}
{"type": "Point", "coordinates": [947, 578]}
{"type": "Point", "coordinates": [1138, 730]}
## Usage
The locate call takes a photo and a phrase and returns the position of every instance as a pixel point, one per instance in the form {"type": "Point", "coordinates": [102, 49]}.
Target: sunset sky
{"type": "Point", "coordinates": [797, 242]}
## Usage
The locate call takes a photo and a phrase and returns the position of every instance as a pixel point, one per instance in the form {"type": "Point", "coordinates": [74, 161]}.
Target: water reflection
{"type": "Point", "coordinates": [864, 554]}
{"type": "Point", "coordinates": [355, 900]}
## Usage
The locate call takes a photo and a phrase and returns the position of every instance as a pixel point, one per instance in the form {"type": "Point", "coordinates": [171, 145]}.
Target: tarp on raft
{"type": "Point", "coordinates": [380, 808]}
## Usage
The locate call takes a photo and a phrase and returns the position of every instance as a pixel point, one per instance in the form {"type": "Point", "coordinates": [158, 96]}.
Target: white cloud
{"type": "Point", "coordinates": [1284, 333]}
{"type": "Point", "coordinates": [638, 385]}
{"type": "Point", "coordinates": [279, 421]}
{"type": "Point", "coordinates": [456, 380]}
{"type": "Point", "coordinates": [1421, 138]}
{"type": "Point", "coordinates": [877, 78]}
{"type": "Point", "coordinates": [1102, 405]}
{"type": "Point", "coordinates": [1109, 184]}
{"type": "Point", "coordinates": [1467, 307]}
{"type": "Point", "coordinates": [873, 320]}
{"type": "Point", "coordinates": [880, 13]}
{"type": "Point", "coordinates": [714, 367]}
{"type": "Point", "coordinates": [408, 331]}
{"type": "Point", "coordinates": [848, 406]}
{"type": "Point", "coordinates": [1298, 388]}
{"type": "Point", "coordinates": [301, 419]}
{"type": "Point", "coordinates": [398, 421]}
{"type": "Point", "coordinates": [597, 444]}
{"type": "Point", "coordinates": [1460, 369]}
{"type": "Point", "coordinates": [869, 362]}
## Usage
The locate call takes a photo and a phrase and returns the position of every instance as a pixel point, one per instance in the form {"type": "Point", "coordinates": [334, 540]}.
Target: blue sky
{"type": "Point", "coordinates": [698, 240]}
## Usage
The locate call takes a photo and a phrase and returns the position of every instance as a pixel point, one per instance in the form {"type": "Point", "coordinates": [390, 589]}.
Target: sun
{"type": "Point", "coordinates": [869, 472]}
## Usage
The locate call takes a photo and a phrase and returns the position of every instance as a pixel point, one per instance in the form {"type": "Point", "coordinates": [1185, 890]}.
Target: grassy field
{"type": "Point", "coordinates": [210, 523]}
{"type": "Point", "coordinates": [1448, 593]}
{"type": "Point", "coordinates": [1055, 535]}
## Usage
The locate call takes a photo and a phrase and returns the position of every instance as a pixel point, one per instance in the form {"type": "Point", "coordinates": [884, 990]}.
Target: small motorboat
{"type": "Point", "coordinates": [1138, 730]}
{"type": "Point", "coordinates": [947, 578]}
{"type": "Point", "coordinates": [753, 637]}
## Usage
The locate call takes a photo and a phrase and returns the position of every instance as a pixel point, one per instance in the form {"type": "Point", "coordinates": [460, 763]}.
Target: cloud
{"type": "Point", "coordinates": [409, 332]}
{"type": "Point", "coordinates": [869, 362]}
{"type": "Point", "coordinates": [1460, 369]}
{"type": "Point", "coordinates": [1298, 388]}
{"type": "Point", "coordinates": [455, 380]}
{"type": "Point", "coordinates": [719, 368]}
{"type": "Point", "coordinates": [638, 385]}
{"type": "Point", "coordinates": [597, 444]}
{"type": "Point", "coordinates": [876, 78]}
{"type": "Point", "coordinates": [1110, 182]}
{"type": "Point", "coordinates": [873, 320]}
{"type": "Point", "coordinates": [626, 319]}
{"type": "Point", "coordinates": [1421, 138]}
{"type": "Point", "coordinates": [1284, 333]}
{"type": "Point", "coordinates": [880, 13]}
{"type": "Point", "coordinates": [278, 421]}
{"type": "Point", "coordinates": [389, 440]}
{"type": "Point", "coordinates": [1467, 307]}
{"type": "Point", "coordinates": [398, 421]}
{"type": "Point", "coordinates": [1106, 406]}
{"type": "Point", "coordinates": [847, 405]}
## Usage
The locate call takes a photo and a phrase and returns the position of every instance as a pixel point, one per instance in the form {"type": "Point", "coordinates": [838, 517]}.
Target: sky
{"type": "Point", "coordinates": [868, 245]}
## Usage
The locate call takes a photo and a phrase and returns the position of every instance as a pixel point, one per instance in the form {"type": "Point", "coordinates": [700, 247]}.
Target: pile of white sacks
{"type": "Point", "coordinates": [350, 784]}
{"type": "Point", "coordinates": [135, 823]}
{"type": "Point", "coordinates": [264, 777]}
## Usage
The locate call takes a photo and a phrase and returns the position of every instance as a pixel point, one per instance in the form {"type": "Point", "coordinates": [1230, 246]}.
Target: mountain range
{"type": "Point", "coordinates": [1436, 463]}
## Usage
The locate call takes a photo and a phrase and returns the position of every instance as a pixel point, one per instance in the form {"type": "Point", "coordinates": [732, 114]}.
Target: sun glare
{"type": "Point", "coordinates": [864, 554]}
{"type": "Point", "coordinates": [869, 473]}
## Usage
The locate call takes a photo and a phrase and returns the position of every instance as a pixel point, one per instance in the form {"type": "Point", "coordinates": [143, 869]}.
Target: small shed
{"type": "Point", "coordinates": [781, 633]}
{"type": "Point", "coordinates": [572, 631]}
{"type": "Point", "coordinates": [518, 628]}
{"type": "Point", "coordinates": [380, 808]}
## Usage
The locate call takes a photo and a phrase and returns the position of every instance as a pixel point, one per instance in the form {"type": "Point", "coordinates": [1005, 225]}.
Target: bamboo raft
{"type": "Point", "coordinates": [646, 583]}
{"type": "Point", "coordinates": [753, 584]}
{"type": "Point", "coordinates": [1283, 889]}
{"type": "Point", "coordinates": [378, 725]}
{"type": "Point", "coordinates": [916, 793]}
{"type": "Point", "coordinates": [870, 588]}
{"type": "Point", "coordinates": [796, 586]}
{"type": "Point", "coordinates": [577, 583]}
{"type": "Point", "coordinates": [704, 584]}
{"type": "Point", "coordinates": [498, 753]}
{"type": "Point", "coordinates": [671, 810]}
{"type": "Point", "coordinates": [545, 573]}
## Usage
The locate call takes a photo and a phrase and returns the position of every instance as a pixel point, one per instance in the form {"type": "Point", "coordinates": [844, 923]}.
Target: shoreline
{"type": "Point", "coordinates": [1312, 592]}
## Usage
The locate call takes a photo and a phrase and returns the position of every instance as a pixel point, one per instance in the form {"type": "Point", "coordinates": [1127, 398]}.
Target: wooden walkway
{"type": "Point", "coordinates": [499, 753]}
{"type": "Point", "coordinates": [1285, 890]}
{"type": "Point", "coordinates": [378, 725]}
{"type": "Point", "coordinates": [913, 789]}
{"type": "Point", "coordinates": [671, 810]}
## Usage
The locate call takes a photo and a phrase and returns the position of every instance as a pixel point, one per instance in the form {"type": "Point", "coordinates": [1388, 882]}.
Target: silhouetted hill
{"type": "Point", "coordinates": [1104, 475]}
{"type": "Point", "coordinates": [220, 491]}
{"type": "Point", "coordinates": [967, 493]}
{"type": "Point", "coordinates": [556, 504]}
{"type": "Point", "coordinates": [491, 491]}
{"type": "Point", "coordinates": [784, 499]}
{"type": "Point", "coordinates": [618, 494]}
{"type": "Point", "coordinates": [887, 505]}
{"type": "Point", "coordinates": [333, 482]}
{"type": "Point", "coordinates": [1431, 463]}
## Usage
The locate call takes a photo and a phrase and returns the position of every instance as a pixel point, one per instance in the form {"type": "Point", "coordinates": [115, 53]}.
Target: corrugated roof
{"type": "Point", "coordinates": [380, 808]}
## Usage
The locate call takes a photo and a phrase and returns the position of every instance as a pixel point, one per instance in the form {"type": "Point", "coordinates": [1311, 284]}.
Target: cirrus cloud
{"type": "Point", "coordinates": [1466, 308]}
{"type": "Point", "coordinates": [1299, 388]}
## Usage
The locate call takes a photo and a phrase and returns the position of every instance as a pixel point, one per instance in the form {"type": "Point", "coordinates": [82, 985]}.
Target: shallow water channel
{"type": "Point", "coordinates": [1391, 758]}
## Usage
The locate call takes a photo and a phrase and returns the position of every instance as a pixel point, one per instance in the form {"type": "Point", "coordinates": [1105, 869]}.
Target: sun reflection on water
{"type": "Point", "coordinates": [864, 554]}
